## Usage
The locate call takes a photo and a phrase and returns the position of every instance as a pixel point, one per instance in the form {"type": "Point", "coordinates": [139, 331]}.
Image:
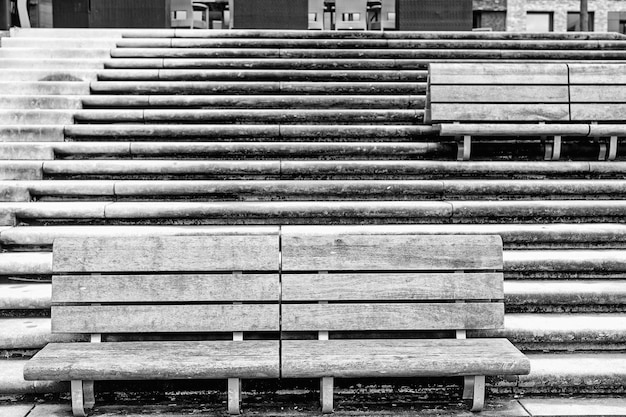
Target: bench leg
{"type": "Point", "coordinates": [468, 387]}
{"type": "Point", "coordinates": [234, 396]}
{"type": "Point", "coordinates": [612, 153]}
{"type": "Point", "coordinates": [326, 394]}
{"type": "Point", "coordinates": [89, 396]}
{"type": "Point", "coordinates": [78, 399]}
{"type": "Point", "coordinates": [464, 148]}
{"type": "Point", "coordinates": [478, 399]}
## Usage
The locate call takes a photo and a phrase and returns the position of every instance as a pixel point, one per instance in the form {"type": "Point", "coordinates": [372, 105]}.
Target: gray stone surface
{"type": "Point", "coordinates": [15, 410]}
{"type": "Point", "coordinates": [554, 407]}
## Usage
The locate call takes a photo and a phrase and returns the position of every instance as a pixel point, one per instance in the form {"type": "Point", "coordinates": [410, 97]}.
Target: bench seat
{"type": "Point", "coordinates": [155, 360]}
{"type": "Point", "coordinates": [401, 358]}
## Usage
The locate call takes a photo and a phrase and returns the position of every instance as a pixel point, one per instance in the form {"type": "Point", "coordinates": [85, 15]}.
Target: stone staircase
{"type": "Point", "coordinates": [129, 132]}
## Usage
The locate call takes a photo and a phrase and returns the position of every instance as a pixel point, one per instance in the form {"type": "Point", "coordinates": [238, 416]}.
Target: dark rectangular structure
{"type": "Point", "coordinates": [270, 14]}
{"type": "Point", "coordinates": [111, 13]}
{"type": "Point", "coordinates": [435, 15]}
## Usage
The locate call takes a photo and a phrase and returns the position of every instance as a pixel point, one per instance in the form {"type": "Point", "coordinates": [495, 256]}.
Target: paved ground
{"type": "Point", "coordinates": [525, 407]}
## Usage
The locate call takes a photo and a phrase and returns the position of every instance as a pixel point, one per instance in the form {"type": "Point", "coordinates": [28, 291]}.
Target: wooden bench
{"type": "Point", "coordinates": [377, 284]}
{"type": "Point", "coordinates": [545, 100]}
{"type": "Point", "coordinates": [189, 286]}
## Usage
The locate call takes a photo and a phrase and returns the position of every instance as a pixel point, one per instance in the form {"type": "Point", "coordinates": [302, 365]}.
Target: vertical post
{"type": "Point", "coordinates": [5, 14]}
{"type": "Point", "coordinates": [584, 15]}
{"type": "Point", "coordinates": [234, 384]}
{"type": "Point", "coordinates": [327, 382]}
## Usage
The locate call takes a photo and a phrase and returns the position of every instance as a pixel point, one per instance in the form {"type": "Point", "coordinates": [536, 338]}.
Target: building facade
{"type": "Point", "coordinates": [548, 15]}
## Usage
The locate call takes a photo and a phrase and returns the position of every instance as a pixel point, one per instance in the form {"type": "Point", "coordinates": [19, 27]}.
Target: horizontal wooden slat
{"type": "Point", "coordinates": [518, 73]}
{"type": "Point", "coordinates": [498, 94]}
{"type": "Point", "coordinates": [499, 112]}
{"type": "Point", "coordinates": [598, 94]}
{"type": "Point", "coordinates": [164, 288]}
{"type": "Point", "coordinates": [599, 111]}
{"type": "Point", "coordinates": [380, 252]}
{"type": "Point", "coordinates": [608, 130]}
{"type": "Point", "coordinates": [392, 286]}
{"type": "Point", "coordinates": [401, 358]}
{"type": "Point", "coordinates": [392, 316]}
{"type": "Point", "coordinates": [597, 73]}
{"type": "Point", "coordinates": [167, 254]}
{"type": "Point", "coordinates": [513, 129]}
{"type": "Point", "coordinates": [164, 318]}
{"type": "Point", "coordinates": [155, 360]}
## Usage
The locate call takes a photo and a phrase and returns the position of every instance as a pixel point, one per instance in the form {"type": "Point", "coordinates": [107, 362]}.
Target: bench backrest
{"type": "Point", "coordinates": [526, 92]}
{"type": "Point", "coordinates": [220, 283]}
{"type": "Point", "coordinates": [597, 92]}
{"type": "Point", "coordinates": [498, 92]}
{"type": "Point", "coordinates": [347, 282]}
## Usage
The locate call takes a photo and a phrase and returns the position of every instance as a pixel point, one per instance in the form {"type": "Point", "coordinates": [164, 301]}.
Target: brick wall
{"type": "Point", "coordinates": [516, 12]}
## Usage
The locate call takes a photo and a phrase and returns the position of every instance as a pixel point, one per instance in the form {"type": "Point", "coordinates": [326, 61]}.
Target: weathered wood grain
{"type": "Point", "coordinates": [615, 112]}
{"type": "Point", "coordinates": [392, 316]}
{"type": "Point", "coordinates": [517, 73]}
{"type": "Point", "coordinates": [167, 254]}
{"type": "Point", "coordinates": [380, 252]}
{"type": "Point", "coordinates": [597, 94]}
{"type": "Point", "coordinates": [498, 94]}
{"type": "Point", "coordinates": [164, 288]}
{"type": "Point", "coordinates": [597, 73]}
{"type": "Point", "coordinates": [392, 286]}
{"type": "Point", "coordinates": [155, 360]}
{"type": "Point", "coordinates": [401, 358]}
{"type": "Point", "coordinates": [607, 130]}
{"type": "Point", "coordinates": [499, 112]}
{"type": "Point", "coordinates": [513, 129]}
{"type": "Point", "coordinates": [165, 318]}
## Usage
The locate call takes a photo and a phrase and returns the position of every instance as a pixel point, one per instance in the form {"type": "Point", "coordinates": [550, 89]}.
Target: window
{"type": "Point", "coordinates": [539, 22]}
{"type": "Point", "coordinates": [573, 21]}
{"type": "Point", "coordinates": [622, 27]}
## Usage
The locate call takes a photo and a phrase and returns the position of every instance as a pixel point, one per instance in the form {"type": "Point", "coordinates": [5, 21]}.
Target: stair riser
{"type": "Point", "coordinates": [259, 87]}
{"type": "Point", "coordinates": [264, 75]}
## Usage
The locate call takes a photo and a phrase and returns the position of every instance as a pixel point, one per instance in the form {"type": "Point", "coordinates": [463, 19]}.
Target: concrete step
{"type": "Point", "coordinates": [257, 87]}
{"type": "Point", "coordinates": [266, 63]}
{"type": "Point", "coordinates": [568, 332]}
{"type": "Point", "coordinates": [271, 212]}
{"type": "Point", "coordinates": [349, 75]}
{"type": "Point", "coordinates": [496, 172]}
{"type": "Point", "coordinates": [60, 42]}
{"type": "Point", "coordinates": [387, 53]}
{"type": "Point", "coordinates": [21, 170]}
{"type": "Point", "coordinates": [40, 102]}
{"type": "Point", "coordinates": [41, 75]}
{"type": "Point", "coordinates": [366, 43]}
{"type": "Point", "coordinates": [50, 64]}
{"type": "Point", "coordinates": [26, 263]}
{"type": "Point", "coordinates": [538, 295]}
{"type": "Point", "coordinates": [220, 116]}
{"type": "Point", "coordinates": [32, 133]}
{"type": "Point", "coordinates": [29, 181]}
{"type": "Point", "coordinates": [256, 132]}
{"type": "Point", "coordinates": [515, 236]}
{"type": "Point", "coordinates": [223, 150]}
{"type": "Point", "coordinates": [37, 117]}
{"type": "Point", "coordinates": [12, 380]}
{"type": "Point", "coordinates": [579, 372]}
{"type": "Point", "coordinates": [44, 88]}
{"type": "Point", "coordinates": [55, 53]}
{"type": "Point", "coordinates": [258, 101]}
{"type": "Point", "coordinates": [31, 333]}
{"type": "Point", "coordinates": [25, 296]}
